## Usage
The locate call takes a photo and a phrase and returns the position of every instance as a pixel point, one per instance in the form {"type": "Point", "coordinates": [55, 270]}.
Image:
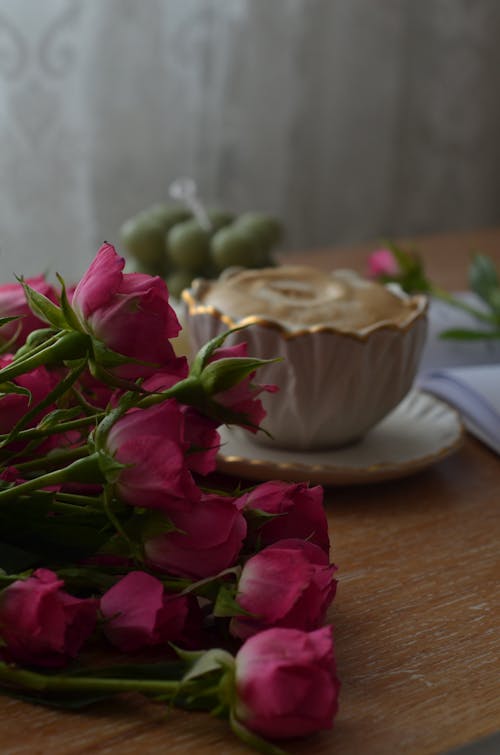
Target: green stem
{"type": "Point", "coordinates": [63, 427]}
{"type": "Point", "coordinates": [188, 391]}
{"type": "Point", "coordinates": [89, 501]}
{"type": "Point", "coordinates": [71, 454]}
{"type": "Point", "coordinates": [69, 345]}
{"type": "Point", "coordinates": [107, 500]}
{"type": "Point", "coordinates": [27, 351]}
{"type": "Point", "coordinates": [79, 471]}
{"type": "Point", "coordinates": [31, 680]}
{"type": "Point", "coordinates": [49, 399]}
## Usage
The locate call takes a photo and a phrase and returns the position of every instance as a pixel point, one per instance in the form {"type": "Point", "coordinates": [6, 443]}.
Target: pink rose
{"type": "Point", "coordinates": [13, 303]}
{"type": "Point", "coordinates": [13, 406]}
{"type": "Point", "coordinates": [199, 432]}
{"type": "Point", "coordinates": [382, 263]}
{"type": "Point", "coordinates": [243, 397]}
{"type": "Point", "coordinates": [95, 392]}
{"type": "Point", "coordinates": [209, 539]}
{"type": "Point", "coordinates": [139, 613]}
{"type": "Point", "coordinates": [286, 685]}
{"type": "Point", "coordinates": [150, 442]}
{"type": "Point", "coordinates": [288, 584]}
{"type": "Point", "coordinates": [299, 511]}
{"type": "Point", "coordinates": [129, 313]}
{"type": "Point", "coordinates": [40, 624]}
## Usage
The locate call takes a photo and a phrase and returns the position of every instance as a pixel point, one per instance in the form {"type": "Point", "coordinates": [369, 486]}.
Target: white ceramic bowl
{"type": "Point", "coordinates": [334, 385]}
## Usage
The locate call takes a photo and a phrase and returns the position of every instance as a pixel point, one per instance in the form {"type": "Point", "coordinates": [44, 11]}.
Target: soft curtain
{"type": "Point", "coordinates": [349, 119]}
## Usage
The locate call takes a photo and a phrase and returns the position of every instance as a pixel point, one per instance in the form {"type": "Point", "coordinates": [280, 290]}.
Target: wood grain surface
{"type": "Point", "coordinates": [416, 617]}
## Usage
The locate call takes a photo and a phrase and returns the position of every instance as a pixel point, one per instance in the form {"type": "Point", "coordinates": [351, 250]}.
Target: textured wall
{"type": "Point", "coordinates": [348, 118]}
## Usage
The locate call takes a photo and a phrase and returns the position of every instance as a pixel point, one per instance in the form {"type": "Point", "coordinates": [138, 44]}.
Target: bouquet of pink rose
{"type": "Point", "coordinates": [110, 534]}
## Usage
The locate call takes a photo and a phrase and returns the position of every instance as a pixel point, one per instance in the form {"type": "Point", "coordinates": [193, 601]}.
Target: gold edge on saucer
{"type": "Point", "coordinates": [330, 474]}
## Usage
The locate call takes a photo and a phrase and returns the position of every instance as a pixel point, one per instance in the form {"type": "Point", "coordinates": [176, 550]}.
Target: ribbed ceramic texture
{"type": "Point", "coordinates": [420, 431]}
{"type": "Point", "coordinates": [333, 386]}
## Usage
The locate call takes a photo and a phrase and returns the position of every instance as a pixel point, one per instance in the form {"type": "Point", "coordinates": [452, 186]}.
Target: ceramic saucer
{"type": "Point", "coordinates": [421, 431]}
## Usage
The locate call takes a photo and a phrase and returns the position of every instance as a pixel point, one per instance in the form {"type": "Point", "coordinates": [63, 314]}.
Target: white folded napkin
{"type": "Point", "coordinates": [475, 392]}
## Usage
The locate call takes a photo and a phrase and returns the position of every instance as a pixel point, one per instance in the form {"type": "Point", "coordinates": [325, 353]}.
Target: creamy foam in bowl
{"type": "Point", "coordinates": [350, 346]}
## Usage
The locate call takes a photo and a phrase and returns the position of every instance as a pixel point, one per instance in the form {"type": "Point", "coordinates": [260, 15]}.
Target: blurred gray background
{"type": "Point", "coordinates": [349, 119]}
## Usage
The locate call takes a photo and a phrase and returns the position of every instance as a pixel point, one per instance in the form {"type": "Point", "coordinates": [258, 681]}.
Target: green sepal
{"type": "Point", "coordinates": [226, 603]}
{"type": "Point", "coordinates": [223, 374]}
{"type": "Point", "coordinates": [108, 358]}
{"type": "Point", "coordinates": [204, 662]}
{"type": "Point", "coordinates": [8, 346]}
{"type": "Point", "coordinates": [252, 739]}
{"type": "Point", "coordinates": [67, 309]}
{"type": "Point", "coordinates": [43, 308]}
{"type": "Point", "coordinates": [100, 373]}
{"type": "Point", "coordinates": [109, 466]}
{"type": "Point", "coordinates": [145, 524]}
{"type": "Point", "coordinates": [207, 350]}
{"type": "Point", "coordinates": [5, 320]}
{"type": "Point", "coordinates": [9, 387]}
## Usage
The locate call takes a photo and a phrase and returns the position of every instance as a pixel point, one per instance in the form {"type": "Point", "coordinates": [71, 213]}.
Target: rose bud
{"type": "Point", "coordinates": [199, 432]}
{"type": "Point", "coordinates": [13, 303]}
{"type": "Point", "coordinates": [298, 511]}
{"type": "Point", "coordinates": [286, 684]}
{"type": "Point", "coordinates": [139, 613]}
{"type": "Point", "coordinates": [40, 624]}
{"type": "Point", "coordinates": [129, 313]}
{"type": "Point", "coordinates": [150, 444]}
{"type": "Point", "coordinates": [382, 263]}
{"type": "Point", "coordinates": [288, 584]}
{"type": "Point", "coordinates": [208, 539]}
{"type": "Point", "coordinates": [242, 398]}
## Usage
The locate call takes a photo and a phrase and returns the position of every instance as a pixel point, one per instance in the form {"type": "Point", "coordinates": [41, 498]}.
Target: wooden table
{"type": "Point", "coordinates": [417, 612]}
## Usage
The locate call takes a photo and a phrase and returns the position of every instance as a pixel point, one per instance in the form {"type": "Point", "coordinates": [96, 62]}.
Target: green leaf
{"type": "Point", "coordinates": [43, 308]}
{"type": "Point", "coordinates": [470, 335]}
{"type": "Point", "coordinates": [412, 277]}
{"type": "Point", "coordinates": [495, 302]}
{"type": "Point", "coordinates": [483, 279]}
